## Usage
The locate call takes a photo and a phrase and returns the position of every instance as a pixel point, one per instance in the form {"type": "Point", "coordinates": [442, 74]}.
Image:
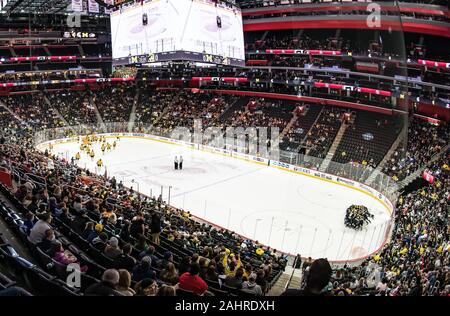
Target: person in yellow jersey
{"type": "Point", "coordinates": [103, 148]}
{"type": "Point", "coordinates": [114, 144]}
{"type": "Point", "coordinates": [99, 163]}
{"type": "Point", "coordinates": [108, 146]}
{"type": "Point", "coordinates": [77, 156]}
{"type": "Point", "coordinates": [50, 147]}
{"type": "Point", "coordinates": [92, 154]}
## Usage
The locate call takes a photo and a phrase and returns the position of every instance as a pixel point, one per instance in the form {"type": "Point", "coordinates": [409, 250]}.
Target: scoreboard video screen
{"type": "Point", "coordinates": [164, 30]}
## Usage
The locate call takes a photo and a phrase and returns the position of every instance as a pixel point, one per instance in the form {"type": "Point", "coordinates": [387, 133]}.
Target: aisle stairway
{"type": "Point", "coordinates": [379, 169]}
{"type": "Point", "coordinates": [333, 148]}
{"type": "Point", "coordinates": [283, 282]}
{"type": "Point", "coordinates": [132, 119]}
{"type": "Point", "coordinates": [228, 113]}
{"type": "Point", "coordinates": [55, 110]}
{"type": "Point", "coordinates": [417, 173]}
{"type": "Point", "coordinates": [97, 114]}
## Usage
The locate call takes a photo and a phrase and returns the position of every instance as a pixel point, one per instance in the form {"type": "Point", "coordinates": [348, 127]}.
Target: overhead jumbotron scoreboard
{"type": "Point", "coordinates": [203, 31]}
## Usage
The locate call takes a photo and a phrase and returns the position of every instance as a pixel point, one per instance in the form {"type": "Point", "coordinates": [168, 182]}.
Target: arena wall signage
{"type": "Point", "coordinates": [78, 34]}
{"type": "Point", "coordinates": [303, 52]}
{"type": "Point", "coordinates": [178, 55]}
{"type": "Point", "coordinates": [42, 58]}
{"type": "Point", "coordinates": [432, 63]}
{"type": "Point", "coordinates": [46, 82]}
{"type": "Point", "coordinates": [352, 88]}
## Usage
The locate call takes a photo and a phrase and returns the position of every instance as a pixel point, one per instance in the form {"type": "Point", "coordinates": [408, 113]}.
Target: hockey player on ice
{"type": "Point", "coordinates": [176, 163]}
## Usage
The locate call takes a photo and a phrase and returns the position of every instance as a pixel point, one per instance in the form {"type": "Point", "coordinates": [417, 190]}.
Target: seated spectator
{"type": "Point", "coordinates": [62, 256]}
{"type": "Point", "coordinates": [168, 258]}
{"type": "Point", "coordinates": [191, 281]}
{"type": "Point", "coordinates": [166, 290]}
{"type": "Point", "coordinates": [231, 264]}
{"type": "Point", "coordinates": [143, 270]}
{"type": "Point", "coordinates": [141, 244]}
{"type": "Point", "coordinates": [33, 206]}
{"type": "Point", "coordinates": [125, 260]}
{"type": "Point", "coordinates": [52, 205]}
{"type": "Point", "coordinates": [98, 230]}
{"type": "Point", "coordinates": [46, 244]}
{"type": "Point", "coordinates": [203, 267]}
{"type": "Point", "coordinates": [107, 287]}
{"type": "Point", "coordinates": [146, 287]}
{"type": "Point", "coordinates": [112, 249]}
{"type": "Point", "coordinates": [78, 204]}
{"type": "Point", "coordinates": [89, 231]}
{"type": "Point", "coordinates": [29, 222]}
{"type": "Point", "coordinates": [318, 278]}
{"type": "Point", "coordinates": [211, 273]}
{"type": "Point", "coordinates": [37, 233]}
{"type": "Point", "coordinates": [151, 253]}
{"type": "Point", "coordinates": [267, 267]}
{"type": "Point", "coordinates": [251, 286]}
{"type": "Point", "coordinates": [206, 255]}
{"type": "Point", "coordinates": [170, 274]}
{"type": "Point", "coordinates": [185, 264]}
{"type": "Point", "coordinates": [123, 287]}
{"type": "Point", "coordinates": [109, 216]}
{"type": "Point", "coordinates": [125, 230]}
{"type": "Point", "coordinates": [235, 281]}
{"type": "Point", "coordinates": [248, 271]}
{"type": "Point", "coordinates": [99, 242]}
{"type": "Point", "coordinates": [65, 216]}
{"type": "Point", "coordinates": [221, 273]}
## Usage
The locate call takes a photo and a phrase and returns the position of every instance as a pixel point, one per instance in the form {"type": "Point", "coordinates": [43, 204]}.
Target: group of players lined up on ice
{"type": "Point", "coordinates": [86, 146]}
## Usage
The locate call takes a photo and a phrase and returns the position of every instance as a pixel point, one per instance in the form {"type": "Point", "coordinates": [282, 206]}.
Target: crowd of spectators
{"type": "Point", "coordinates": [157, 249]}
{"type": "Point", "coordinates": [115, 102]}
{"type": "Point", "coordinates": [423, 141]}
{"type": "Point", "coordinates": [368, 139]}
{"type": "Point", "coordinates": [185, 107]}
{"type": "Point", "coordinates": [260, 112]}
{"type": "Point", "coordinates": [323, 132]}
{"type": "Point", "coordinates": [33, 110]}
{"type": "Point", "coordinates": [171, 109]}
{"type": "Point", "coordinates": [47, 75]}
{"type": "Point", "coordinates": [416, 261]}
{"type": "Point", "coordinates": [75, 106]}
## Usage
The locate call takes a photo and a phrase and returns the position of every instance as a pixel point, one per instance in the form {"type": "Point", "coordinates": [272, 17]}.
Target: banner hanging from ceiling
{"type": "Point", "coordinates": [93, 6]}
{"type": "Point", "coordinates": [77, 5]}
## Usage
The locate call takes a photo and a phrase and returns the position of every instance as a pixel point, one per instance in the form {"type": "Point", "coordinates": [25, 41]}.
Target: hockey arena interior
{"type": "Point", "coordinates": [231, 148]}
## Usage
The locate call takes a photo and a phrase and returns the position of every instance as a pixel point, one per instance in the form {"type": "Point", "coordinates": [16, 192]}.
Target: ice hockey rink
{"type": "Point", "coordinates": [287, 211]}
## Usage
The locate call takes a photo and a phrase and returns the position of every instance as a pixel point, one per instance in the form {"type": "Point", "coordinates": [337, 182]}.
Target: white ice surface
{"type": "Point", "coordinates": [287, 211]}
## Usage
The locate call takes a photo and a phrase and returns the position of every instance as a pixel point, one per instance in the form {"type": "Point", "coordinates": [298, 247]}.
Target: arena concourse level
{"type": "Point", "coordinates": [242, 151]}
